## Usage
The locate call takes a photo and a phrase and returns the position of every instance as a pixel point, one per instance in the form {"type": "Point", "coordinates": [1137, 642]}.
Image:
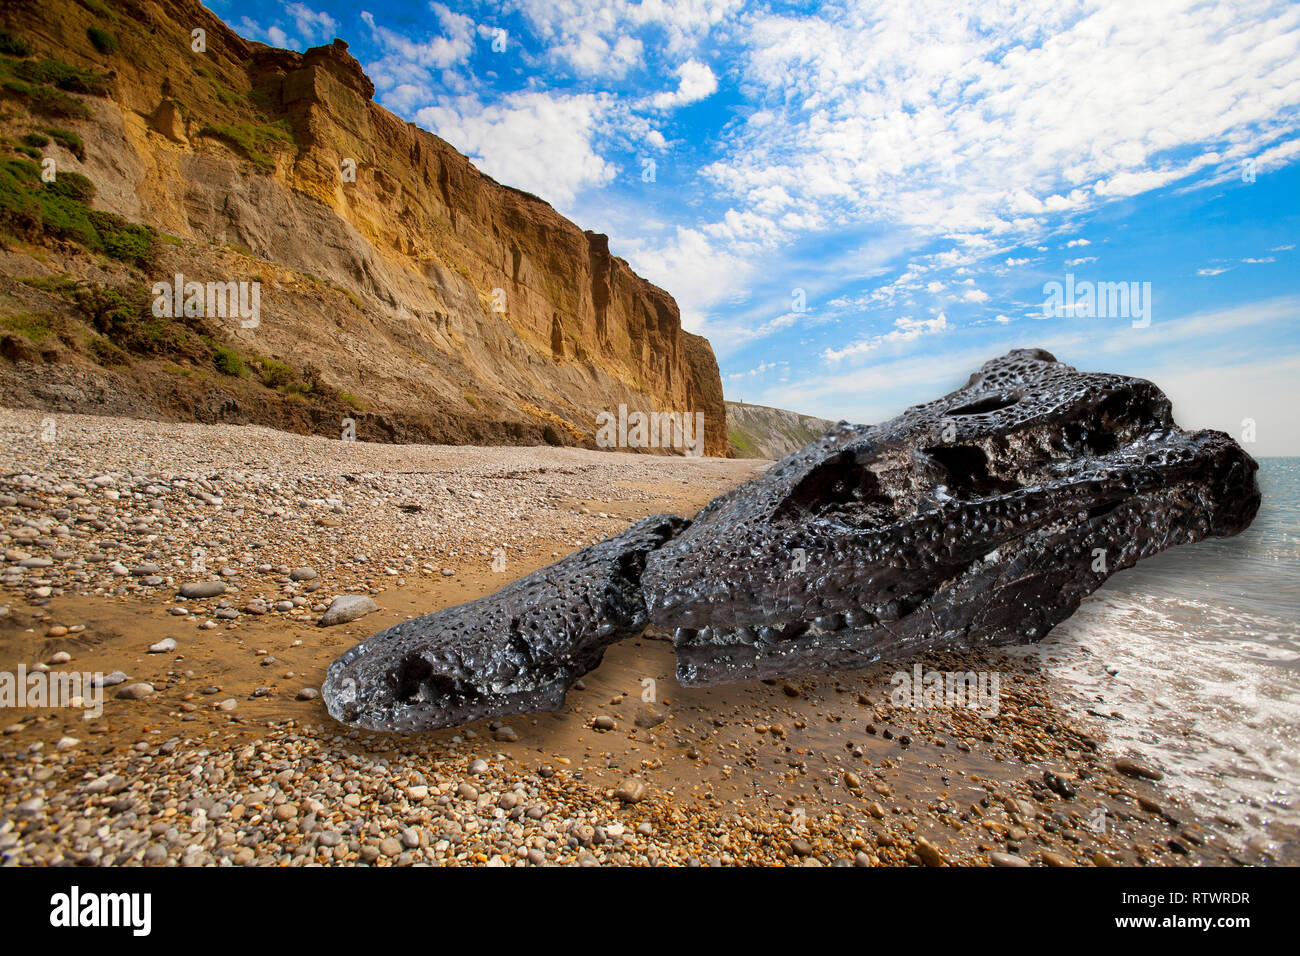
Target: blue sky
{"type": "Point", "coordinates": [859, 203]}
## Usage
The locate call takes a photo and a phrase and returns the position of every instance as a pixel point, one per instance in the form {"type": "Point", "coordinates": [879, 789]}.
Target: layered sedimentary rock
{"type": "Point", "coordinates": [515, 651]}
{"type": "Point", "coordinates": [978, 519]}
{"type": "Point", "coordinates": [452, 307]}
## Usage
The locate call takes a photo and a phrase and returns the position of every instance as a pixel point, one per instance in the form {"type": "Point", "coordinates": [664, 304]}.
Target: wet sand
{"type": "Point", "coordinates": [814, 770]}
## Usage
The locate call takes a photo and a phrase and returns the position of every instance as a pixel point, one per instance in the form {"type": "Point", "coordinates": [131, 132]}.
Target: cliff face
{"type": "Point", "coordinates": [443, 305]}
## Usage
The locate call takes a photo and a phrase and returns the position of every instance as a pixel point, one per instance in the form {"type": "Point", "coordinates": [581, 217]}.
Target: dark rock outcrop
{"type": "Point", "coordinates": [515, 651]}
{"type": "Point", "coordinates": [981, 518]}
{"type": "Point", "coordinates": [978, 519]}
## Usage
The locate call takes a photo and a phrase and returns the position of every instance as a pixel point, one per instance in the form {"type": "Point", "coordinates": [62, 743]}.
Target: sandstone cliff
{"type": "Point", "coordinates": [399, 285]}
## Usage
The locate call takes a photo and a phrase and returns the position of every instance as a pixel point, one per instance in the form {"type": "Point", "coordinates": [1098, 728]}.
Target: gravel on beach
{"type": "Point", "coordinates": [192, 565]}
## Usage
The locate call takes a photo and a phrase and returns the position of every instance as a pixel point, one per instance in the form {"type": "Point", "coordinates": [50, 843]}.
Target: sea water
{"type": "Point", "coordinates": [1192, 661]}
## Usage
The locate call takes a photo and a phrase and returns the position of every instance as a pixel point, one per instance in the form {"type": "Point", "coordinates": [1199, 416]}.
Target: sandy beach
{"type": "Point", "coordinates": [216, 749]}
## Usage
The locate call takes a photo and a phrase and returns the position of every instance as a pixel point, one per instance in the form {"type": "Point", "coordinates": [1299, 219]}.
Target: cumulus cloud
{"type": "Point", "coordinates": [695, 82]}
{"type": "Point", "coordinates": [420, 68]}
{"type": "Point", "coordinates": [991, 125]}
{"type": "Point", "coordinates": [592, 55]}
{"type": "Point", "coordinates": [311, 24]}
{"type": "Point", "coordinates": [573, 28]}
{"type": "Point", "coordinates": [539, 142]}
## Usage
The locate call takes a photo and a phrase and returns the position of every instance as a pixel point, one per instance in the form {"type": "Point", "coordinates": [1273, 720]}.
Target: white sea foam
{"type": "Point", "coordinates": [1207, 692]}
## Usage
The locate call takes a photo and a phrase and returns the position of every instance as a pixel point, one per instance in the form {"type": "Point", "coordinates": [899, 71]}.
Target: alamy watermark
{"type": "Point", "coordinates": [213, 300]}
{"type": "Point", "coordinates": [1098, 300]}
{"type": "Point", "coordinates": [75, 909]}
{"type": "Point", "coordinates": [651, 430]}
{"type": "Point", "coordinates": [73, 689]}
{"type": "Point", "coordinates": [975, 690]}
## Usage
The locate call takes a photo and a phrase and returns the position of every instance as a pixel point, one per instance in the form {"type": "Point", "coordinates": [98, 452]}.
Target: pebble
{"type": "Point", "coordinates": [930, 854]}
{"type": "Point", "coordinates": [347, 607]}
{"type": "Point", "coordinates": [136, 691]}
{"type": "Point", "coordinates": [202, 589]}
{"type": "Point", "coordinates": [632, 790]}
{"type": "Point", "coordinates": [165, 646]}
{"type": "Point", "coordinates": [1136, 768]}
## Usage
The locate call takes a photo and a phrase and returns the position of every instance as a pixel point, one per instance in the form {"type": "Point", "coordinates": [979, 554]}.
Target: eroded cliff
{"type": "Point", "coordinates": [399, 285]}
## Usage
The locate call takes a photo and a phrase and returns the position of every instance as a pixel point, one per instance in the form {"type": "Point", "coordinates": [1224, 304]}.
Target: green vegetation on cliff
{"type": "Point", "coordinates": [32, 209]}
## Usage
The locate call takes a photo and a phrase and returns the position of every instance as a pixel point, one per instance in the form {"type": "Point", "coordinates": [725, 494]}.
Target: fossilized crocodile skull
{"type": "Point", "coordinates": [981, 518]}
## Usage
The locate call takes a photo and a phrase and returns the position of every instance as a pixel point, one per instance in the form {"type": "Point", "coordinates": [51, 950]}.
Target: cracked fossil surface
{"type": "Point", "coordinates": [515, 651]}
{"type": "Point", "coordinates": [981, 518]}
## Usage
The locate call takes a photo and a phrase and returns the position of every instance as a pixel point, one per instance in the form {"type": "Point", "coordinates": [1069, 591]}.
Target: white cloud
{"type": "Point", "coordinates": [989, 126]}
{"type": "Point", "coordinates": [1249, 382]}
{"type": "Point", "coordinates": [701, 273]}
{"type": "Point", "coordinates": [695, 82]}
{"type": "Point", "coordinates": [571, 29]}
{"type": "Point", "coordinates": [592, 55]}
{"type": "Point", "coordinates": [421, 69]}
{"type": "Point", "coordinates": [539, 142]}
{"type": "Point", "coordinates": [906, 329]}
{"type": "Point", "coordinates": [311, 24]}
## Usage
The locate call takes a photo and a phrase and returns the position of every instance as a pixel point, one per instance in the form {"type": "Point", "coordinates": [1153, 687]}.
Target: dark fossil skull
{"type": "Point", "coordinates": [981, 518]}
